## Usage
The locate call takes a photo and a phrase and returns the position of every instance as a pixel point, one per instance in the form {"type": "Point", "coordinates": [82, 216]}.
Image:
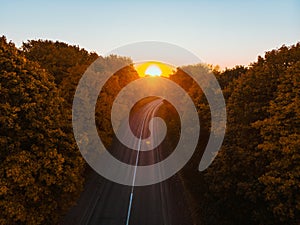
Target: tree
{"type": "Point", "coordinates": [58, 58]}
{"type": "Point", "coordinates": [41, 168]}
{"type": "Point", "coordinates": [68, 63]}
{"type": "Point", "coordinates": [281, 135]}
{"type": "Point", "coordinates": [237, 178]}
{"type": "Point", "coordinates": [108, 94]}
{"type": "Point", "coordinates": [227, 77]}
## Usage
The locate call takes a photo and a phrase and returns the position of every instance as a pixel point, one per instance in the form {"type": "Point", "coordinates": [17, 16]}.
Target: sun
{"type": "Point", "coordinates": [154, 69]}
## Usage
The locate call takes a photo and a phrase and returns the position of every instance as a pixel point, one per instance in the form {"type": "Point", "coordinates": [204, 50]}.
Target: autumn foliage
{"type": "Point", "coordinates": [255, 178]}
{"type": "Point", "coordinates": [41, 169]}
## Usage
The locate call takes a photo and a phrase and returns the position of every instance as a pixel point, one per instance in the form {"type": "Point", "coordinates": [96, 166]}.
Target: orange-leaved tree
{"type": "Point", "coordinates": [40, 166]}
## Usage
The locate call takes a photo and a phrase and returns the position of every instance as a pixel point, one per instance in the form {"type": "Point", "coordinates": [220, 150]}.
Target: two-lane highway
{"type": "Point", "coordinates": [106, 203]}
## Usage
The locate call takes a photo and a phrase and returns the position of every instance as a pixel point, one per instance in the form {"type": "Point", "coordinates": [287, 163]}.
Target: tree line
{"type": "Point", "coordinates": [41, 169]}
{"type": "Point", "coordinates": [253, 180]}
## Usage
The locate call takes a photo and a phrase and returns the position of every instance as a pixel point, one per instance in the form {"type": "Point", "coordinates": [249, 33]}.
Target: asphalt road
{"type": "Point", "coordinates": [107, 203]}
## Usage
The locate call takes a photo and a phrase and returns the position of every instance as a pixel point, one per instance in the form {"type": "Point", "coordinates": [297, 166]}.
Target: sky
{"type": "Point", "coordinates": [225, 33]}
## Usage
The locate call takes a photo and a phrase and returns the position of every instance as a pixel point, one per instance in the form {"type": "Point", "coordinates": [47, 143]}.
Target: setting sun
{"type": "Point", "coordinates": [154, 69]}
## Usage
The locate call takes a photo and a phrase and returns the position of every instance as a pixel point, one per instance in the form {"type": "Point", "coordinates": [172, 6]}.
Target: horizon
{"type": "Point", "coordinates": [209, 29]}
{"type": "Point", "coordinates": [215, 66]}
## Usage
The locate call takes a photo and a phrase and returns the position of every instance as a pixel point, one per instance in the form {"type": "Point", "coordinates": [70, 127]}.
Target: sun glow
{"type": "Point", "coordinates": [154, 69]}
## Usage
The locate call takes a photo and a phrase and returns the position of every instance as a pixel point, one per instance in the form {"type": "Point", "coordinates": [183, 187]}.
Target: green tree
{"type": "Point", "coordinates": [41, 168]}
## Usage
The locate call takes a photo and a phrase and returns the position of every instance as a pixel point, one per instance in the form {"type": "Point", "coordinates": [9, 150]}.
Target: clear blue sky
{"type": "Point", "coordinates": [219, 32]}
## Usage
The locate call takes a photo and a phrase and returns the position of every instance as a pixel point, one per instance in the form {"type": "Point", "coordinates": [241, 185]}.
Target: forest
{"type": "Point", "coordinates": [255, 178]}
